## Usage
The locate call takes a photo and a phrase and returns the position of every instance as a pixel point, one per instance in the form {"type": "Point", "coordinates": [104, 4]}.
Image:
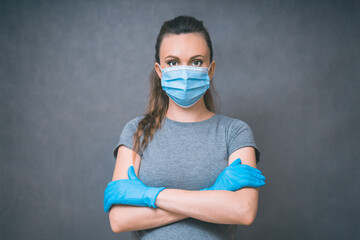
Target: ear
{"type": "Point", "coordinates": [212, 69]}
{"type": "Point", "coordinates": [157, 69]}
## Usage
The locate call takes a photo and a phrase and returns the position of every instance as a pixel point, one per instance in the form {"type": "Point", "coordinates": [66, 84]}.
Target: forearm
{"type": "Point", "coordinates": [217, 206]}
{"type": "Point", "coordinates": [124, 218]}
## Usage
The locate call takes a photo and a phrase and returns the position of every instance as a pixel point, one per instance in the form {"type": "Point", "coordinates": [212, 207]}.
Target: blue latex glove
{"type": "Point", "coordinates": [130, 192]}
{"type": "Point", "coordinates": [236, 176]}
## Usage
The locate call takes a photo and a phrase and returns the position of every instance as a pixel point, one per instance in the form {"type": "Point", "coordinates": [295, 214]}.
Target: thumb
{"type": "Point", "coordinates": [236, 162]}
{"type": "Point", "coordinates": [131, 173]}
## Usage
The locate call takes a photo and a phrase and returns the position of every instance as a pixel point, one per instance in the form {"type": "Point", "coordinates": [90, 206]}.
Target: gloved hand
{"type": "Point", "coordinates": [130, 191]}
{"type": "Point", "coordinates": [236, 176]}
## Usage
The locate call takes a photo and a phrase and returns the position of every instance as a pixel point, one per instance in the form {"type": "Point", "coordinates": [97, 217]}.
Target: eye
{"type": "Point", "coordinates": [169, 63]}
{"type": "Point", "coordinates": [197, 63]}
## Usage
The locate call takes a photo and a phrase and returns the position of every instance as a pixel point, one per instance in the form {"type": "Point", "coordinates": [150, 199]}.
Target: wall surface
{"type": "Point", "coordinates": [72, 73]}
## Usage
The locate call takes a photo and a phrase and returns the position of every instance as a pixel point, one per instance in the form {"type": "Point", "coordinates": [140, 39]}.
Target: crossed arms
{"type": "Point", "coordinates": [216, 206]}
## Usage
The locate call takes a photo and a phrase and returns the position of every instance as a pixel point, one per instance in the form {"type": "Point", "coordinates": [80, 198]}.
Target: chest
{"type": "Point", "coordinates": [184, 159]}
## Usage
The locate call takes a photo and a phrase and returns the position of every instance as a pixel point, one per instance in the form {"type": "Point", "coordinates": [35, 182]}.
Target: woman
{"type": "Point", "coordinates": [182, 170]}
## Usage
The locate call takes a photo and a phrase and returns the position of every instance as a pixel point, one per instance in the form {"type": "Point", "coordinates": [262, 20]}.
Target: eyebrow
{"type": "Point", "coordinates": [170, 56]}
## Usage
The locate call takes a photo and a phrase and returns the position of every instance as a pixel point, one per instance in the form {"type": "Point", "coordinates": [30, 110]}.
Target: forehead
{"type": "Point", "coordinates": [184, 45]}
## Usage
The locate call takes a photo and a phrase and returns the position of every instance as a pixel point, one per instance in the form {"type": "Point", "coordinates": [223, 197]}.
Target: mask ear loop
{"type": "Point", "coordinates": [160, 68]}
{"type": "Point", "coordinates": [209, 67]}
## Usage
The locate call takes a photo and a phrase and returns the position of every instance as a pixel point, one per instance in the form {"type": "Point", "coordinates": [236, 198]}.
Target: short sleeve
{"type": "Point", "coordinates": [127, 136]}
{"type": "Point", "coordinates": [240, 135]}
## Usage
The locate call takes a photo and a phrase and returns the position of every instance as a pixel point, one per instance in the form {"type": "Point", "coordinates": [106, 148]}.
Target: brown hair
{"type": "Point", "coordinates": [158, 99]}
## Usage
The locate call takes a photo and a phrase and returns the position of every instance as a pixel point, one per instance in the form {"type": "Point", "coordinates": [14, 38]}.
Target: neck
{"type": "Point", "coordinates": [197, 112]}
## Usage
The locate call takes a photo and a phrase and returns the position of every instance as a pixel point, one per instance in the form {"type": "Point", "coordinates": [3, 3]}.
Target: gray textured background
{"type": "Point", "coordinates": [74, 72]}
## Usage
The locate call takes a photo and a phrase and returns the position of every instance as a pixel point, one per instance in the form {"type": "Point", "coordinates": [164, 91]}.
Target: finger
{"type": "Point", "coordinates": [236, 162]}
{"type": "Point", "coordinates": [109, 202]}
{"type": "Point", "coordinates": [236, 177]}
{"type": "Point", "coordinates": [106, 204]}
{"type": "Point", "coordinates": [119, 188]}
{"type": "Point", "coordinates": [110, 194]}
{"type": "Point", "coordinates": [107, 190]}
{"type": "Point", "coordinates": [111, 185]}
{"type": "Point", "coordinates": [246, 176]}
{"type": "Point", "coordinates": [114, 188]}
{"type": "Point", "coordinates": [254, 174]}
{"type": "Point", "coordinates": [131, 173]}
{"type": "Point", "coordinates": [249, 168]}
{"type": "Point", "coordinates": [252, 182]}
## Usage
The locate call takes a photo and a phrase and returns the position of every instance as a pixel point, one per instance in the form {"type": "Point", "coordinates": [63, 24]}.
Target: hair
{"type": "Point", "coordinates": [158, 99]}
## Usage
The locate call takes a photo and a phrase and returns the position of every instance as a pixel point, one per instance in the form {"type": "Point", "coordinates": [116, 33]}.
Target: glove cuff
{"type": "Point", "coordinates": [151, 195]}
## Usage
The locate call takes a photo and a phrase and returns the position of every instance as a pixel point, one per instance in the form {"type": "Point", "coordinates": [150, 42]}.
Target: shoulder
{"type": "Point", "coordinates": [236, 129]}
{"type": "Point", "coordinates": [232, 123]}
{"type": "Point", "coordinates": [130, 127]}
{"type": "Point", "coordinates": [239, 134]}
{"type": "Point", "coordinates": [133, 123]}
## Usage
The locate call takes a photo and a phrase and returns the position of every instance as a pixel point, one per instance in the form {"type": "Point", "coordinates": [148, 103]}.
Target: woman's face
{"type": "Point", "coordinates": [184, 49]}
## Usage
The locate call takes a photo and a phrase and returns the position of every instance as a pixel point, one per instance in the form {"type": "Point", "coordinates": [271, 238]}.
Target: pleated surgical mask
{"type": "Point", "coordinates": [185, 85]}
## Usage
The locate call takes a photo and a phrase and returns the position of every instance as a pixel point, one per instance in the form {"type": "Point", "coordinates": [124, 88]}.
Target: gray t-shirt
{"type": "Point", "coordinates": [189, 156]}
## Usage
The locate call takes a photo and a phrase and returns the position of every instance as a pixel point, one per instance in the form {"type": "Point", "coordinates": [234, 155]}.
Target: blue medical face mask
{"type": "Point", "coordinates": [185, 85]}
